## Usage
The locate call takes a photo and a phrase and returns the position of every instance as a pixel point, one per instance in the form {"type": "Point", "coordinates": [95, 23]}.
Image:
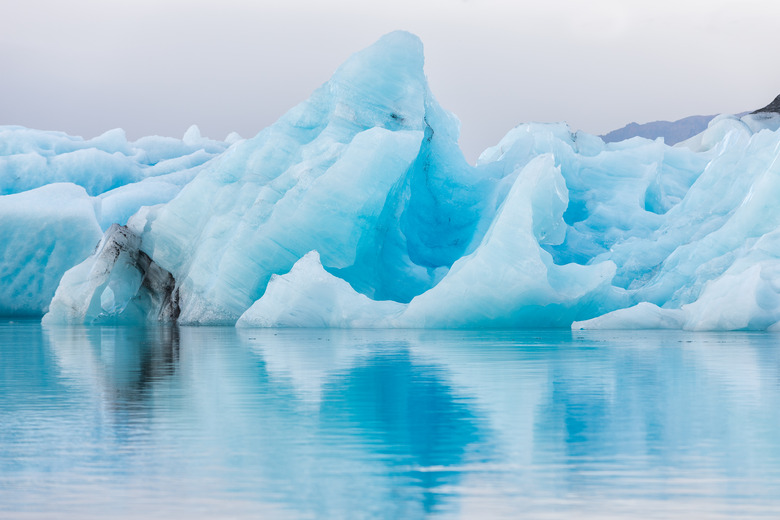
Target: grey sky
{"type": "Point", "coordinates": [157, 66]}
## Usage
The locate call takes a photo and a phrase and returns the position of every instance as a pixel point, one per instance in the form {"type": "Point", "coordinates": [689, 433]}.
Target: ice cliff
{"type": "Point", "coordinates": [357, 209]}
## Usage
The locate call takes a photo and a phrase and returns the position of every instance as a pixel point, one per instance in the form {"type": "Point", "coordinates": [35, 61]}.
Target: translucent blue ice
{"type": "Point", "coordinates": [357, 209]}
{"type": "Point", "coordinates": [58, 193]}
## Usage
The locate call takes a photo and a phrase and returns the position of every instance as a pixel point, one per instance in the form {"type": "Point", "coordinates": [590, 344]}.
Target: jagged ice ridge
{"type": "Point", "coordinates": [357, 209]}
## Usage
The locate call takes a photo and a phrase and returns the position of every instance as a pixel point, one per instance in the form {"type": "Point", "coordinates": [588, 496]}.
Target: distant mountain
{"type": "Point", "coordinates": [672, 131]}
{"type": "Point", "coordinates": [774, 106]}
{"type": "Point", "coordinates": [675, 131]}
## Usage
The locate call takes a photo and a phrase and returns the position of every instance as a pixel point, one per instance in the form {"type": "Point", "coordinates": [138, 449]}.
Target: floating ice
{"type": "Point", "coordinates": [44, 233]}
{"type": "Point", "coordinates": [59, 192]}
{"type": "Point", "coordinates": [367, 172]}
{"type": "Point", "coordinates": [33, 158]}
{"type": "Point", "coordinates": [308, 296]}
{"type": "Point", "coordinates": [117, 283]}
{"type": "Point", "coordinates": [357, 209]}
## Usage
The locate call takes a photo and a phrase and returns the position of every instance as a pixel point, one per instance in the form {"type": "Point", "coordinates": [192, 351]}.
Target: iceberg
{"type": "Point", "coordinates": [358, 209]}
{"type": "Point", "coordinates": [367, 172]}
{"type": "Point", "coordinates": [59, 193]}
{"type": "Point", "coordinates": [310, 297]}
{"type": "Point", "coordinates": [32, 158]}
{"type": "Point", "coordinates": [118, 281]}
{"type": "Point", "coordinates": [45, 232]}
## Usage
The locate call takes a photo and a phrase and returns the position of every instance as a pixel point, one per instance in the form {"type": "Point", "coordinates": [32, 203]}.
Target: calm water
{"type": "Point", "coordinates": [223, 423]}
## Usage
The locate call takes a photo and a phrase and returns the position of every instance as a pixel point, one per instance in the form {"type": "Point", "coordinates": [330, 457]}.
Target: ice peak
{"type": "Point", "coordinates": [402, 40]}
{"type": "Point", "coordinates": [394, 57]}
{"type": "Point", "coordinates": [398, 49]}
{"type": "Point", "coordinates": [385, 81]}
{"type": "Point", "coordinates": [192, 135]}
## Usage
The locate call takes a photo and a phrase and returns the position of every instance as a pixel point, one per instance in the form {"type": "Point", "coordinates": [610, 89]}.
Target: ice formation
{"type": "Point", "coordinates": [117, 282]}
{"type": "Point", "coordinates": [357, 209]}
{"type": "Point", "coordinates": [59, 193]}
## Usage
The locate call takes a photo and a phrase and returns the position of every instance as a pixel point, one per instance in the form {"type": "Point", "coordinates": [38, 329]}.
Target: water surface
{"type": "Point", "coordinates": [204, 422]}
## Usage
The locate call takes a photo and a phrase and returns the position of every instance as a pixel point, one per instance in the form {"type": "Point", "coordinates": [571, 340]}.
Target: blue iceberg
{"type": "Point", "coordinates": [59, 193]}
{"type": "Point", "coordinates": [358, 209]}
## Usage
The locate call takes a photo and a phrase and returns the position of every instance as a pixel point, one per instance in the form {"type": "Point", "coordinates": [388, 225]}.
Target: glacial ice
{"type": "Point", "coordinates": [33, 158]}
{"type": "Point", "coordinates": [59, 193]}
{"type": "Point", "coordinates": [357, 209]}
{"type": "Point", "coordinates": [118, 282]}
{"type": "Point", "coordinates": [44, 232]}
{"type": "Point", "coordinates": [308, 296]}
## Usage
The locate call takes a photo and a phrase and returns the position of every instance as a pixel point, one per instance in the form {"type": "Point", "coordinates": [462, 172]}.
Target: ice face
{"type": "Point", "coordinates": [357, 209]}
{"type": "Point", "coordinates": [45, 232]}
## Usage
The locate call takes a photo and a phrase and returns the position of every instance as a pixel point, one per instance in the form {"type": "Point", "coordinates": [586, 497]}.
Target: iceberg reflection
{"type": "Point", "coordinates": [387, 424]}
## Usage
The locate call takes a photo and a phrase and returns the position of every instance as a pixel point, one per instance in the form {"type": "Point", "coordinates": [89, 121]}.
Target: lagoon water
{"type": "Point", "coordinates": [196, 422]}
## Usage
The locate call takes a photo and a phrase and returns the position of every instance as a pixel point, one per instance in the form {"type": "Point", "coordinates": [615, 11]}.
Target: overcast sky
{"type": "Point", "coordinates": [157, 66]}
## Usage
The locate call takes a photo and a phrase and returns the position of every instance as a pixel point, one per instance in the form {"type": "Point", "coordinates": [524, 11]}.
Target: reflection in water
{"type": "Point", "coordinates": [122, 362]}
{"type": "Point", "coordinates": [189, 422]}
{"type": "Point", "coordinates": [408, 417]}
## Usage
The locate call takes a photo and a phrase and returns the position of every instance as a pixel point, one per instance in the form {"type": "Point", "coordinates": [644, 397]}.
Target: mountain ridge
{"type": "Point", "coordinates": [677, 131]}
{"type": "Point", "coordinates": [774, 106]}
